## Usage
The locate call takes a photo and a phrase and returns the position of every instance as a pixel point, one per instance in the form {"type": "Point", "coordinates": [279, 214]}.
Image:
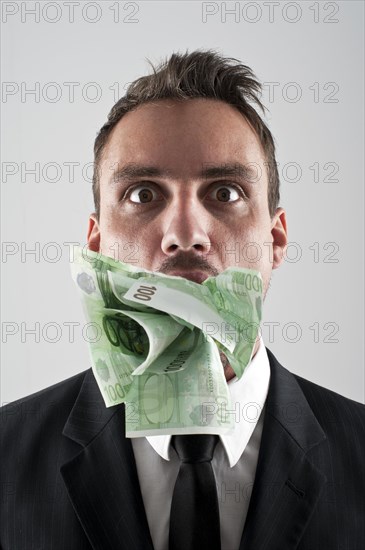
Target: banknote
{"type": "Point", "coordinates": [158, 331]}
{"type": "Point", "coordinates": [193, 400]}
{"type": "Point", "coordinates": [226, 307]}
{"type": "Point", "coordinates": [159, 341]}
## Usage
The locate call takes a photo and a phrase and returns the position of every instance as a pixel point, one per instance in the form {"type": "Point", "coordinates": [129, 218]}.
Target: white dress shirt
{"type": "Point", "coordinates": [234, 461]}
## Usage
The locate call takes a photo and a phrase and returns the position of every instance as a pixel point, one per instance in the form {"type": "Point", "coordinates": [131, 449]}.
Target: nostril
{"type": "Point", "coordinates": [202, 246]}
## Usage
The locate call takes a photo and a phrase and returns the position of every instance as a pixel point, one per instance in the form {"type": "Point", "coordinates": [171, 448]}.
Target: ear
{"type": "Point", "coordinates": [93, 233]}
{"type": "Point", "coordinates": [279, 237]}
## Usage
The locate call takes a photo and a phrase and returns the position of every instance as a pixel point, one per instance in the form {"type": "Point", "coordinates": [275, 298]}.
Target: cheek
{"type": "Point", "coordinates": [127, 240]}
{"type": "Point", "coordinates": [246, 246]}
{"type": "Point", "coordinates": [257, 247]}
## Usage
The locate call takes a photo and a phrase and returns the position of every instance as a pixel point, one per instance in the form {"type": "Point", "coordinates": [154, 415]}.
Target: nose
{"type": "Point", "coordinates": [186, 230]}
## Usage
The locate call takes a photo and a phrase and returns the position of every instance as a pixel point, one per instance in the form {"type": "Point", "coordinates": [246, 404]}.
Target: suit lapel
{"type": "Point", "coordinates": [103, 487]}
{"type": "Point", "coordinates": [287, 484]}
{"type": "Point", "coordinates": [102, 480]}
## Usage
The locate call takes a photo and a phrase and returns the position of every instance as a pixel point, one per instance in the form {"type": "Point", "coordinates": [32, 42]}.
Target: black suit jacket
{"type": "Point", "coordinates": [69, 479]}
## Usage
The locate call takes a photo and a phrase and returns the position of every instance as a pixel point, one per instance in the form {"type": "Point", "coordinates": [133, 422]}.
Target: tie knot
{"type": "Point", "coordinates": [195, 448]}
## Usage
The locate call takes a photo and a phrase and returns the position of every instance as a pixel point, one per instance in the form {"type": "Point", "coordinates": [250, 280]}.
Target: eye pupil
{"type": "Point", "coordinates": [145, 195]}
{"type": "Point", "coordinates": [223, 194]}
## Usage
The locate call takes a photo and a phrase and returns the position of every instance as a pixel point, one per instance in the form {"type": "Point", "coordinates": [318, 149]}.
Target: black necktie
{"type": "Point", "coordinates": [194, 519]}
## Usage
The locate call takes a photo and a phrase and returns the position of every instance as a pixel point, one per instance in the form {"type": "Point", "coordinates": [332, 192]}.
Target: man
{"type": "Point", "coordinates": [185, 169]}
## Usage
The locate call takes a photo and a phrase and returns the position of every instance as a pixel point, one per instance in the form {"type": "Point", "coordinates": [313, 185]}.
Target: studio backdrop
{"type": "Point", "coordinates": [64, 64]}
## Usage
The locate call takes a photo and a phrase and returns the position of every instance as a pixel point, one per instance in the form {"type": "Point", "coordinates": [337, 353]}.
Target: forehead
{"type": "Point", "coordinates": [181, 136]}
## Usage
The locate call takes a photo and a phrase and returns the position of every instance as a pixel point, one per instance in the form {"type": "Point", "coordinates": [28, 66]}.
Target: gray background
{"type": "Point", "coordinates": [312, 50]}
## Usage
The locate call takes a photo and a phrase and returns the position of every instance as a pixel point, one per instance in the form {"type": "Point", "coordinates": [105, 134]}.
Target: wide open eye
{"type": "Point", "coordinates": [142, 194]}
{"type": "Point", "coordinates": [226, 193]}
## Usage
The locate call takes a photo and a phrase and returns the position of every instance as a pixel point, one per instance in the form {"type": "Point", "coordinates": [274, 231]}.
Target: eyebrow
{"type": "Point", "coordinates": [131, 171]}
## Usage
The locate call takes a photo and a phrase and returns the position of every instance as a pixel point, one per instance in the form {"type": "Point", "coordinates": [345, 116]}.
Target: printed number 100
{"type": "Point", "coordinates": [144, 293]}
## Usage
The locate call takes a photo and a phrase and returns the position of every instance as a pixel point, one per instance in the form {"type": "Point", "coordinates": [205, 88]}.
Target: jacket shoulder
{"type": "Point", "coordinates": [329, 401]}
{"type": "Point", "coordinates": [48, 404]}
{"type": "Point", "coordinates": [342, 414]}
{"type": "Point", "coordinates": [339, 416]}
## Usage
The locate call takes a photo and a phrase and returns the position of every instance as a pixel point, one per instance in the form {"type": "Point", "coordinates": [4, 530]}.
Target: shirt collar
{"type": "Point", "coordinates": [248, 396]}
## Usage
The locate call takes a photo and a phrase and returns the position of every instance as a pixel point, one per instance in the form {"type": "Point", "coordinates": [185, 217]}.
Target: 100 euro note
{"type": "Point", "coordinates": [152, 360]}
{"type": "Point", "coordinates": [121, 343]}
{"type": "Point", "coordinates": [227, 308]}
{"type": "Point", "coordinates": [195, 400]}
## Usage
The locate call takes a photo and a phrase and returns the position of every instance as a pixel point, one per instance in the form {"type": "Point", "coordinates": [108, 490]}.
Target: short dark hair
{"type": "Point", "coordinates": [199, 74]}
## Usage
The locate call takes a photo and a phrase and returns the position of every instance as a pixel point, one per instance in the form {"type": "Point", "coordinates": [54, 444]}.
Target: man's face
{"type": "Point", "coordinates": [183, 191]}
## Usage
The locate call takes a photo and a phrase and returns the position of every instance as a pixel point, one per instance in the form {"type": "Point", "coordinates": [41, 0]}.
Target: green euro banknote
{"type": "Point", "coordinates": [193, 400]}
{"type": "Point", "coordinates": [226, 307]}
{"type": "Point", "coordinates": [155, 340]}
